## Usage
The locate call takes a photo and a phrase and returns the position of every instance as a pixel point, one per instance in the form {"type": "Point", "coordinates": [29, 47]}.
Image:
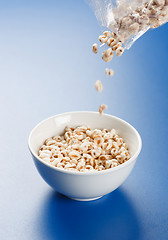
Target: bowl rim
{"type": "Point", "coordinates": [94, 172]}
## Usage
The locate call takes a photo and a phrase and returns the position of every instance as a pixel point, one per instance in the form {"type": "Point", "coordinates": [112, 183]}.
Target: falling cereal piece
{"type": "Point", "coordinates": [102, 108]}
{"type": "Point", "coordinates": [103, 39]}
{"type": "Point", "coordinates": [107, 55]}
{"type": "Point", "coordinates": [95, 48]}
{"type": "Point", "coordinates": [107, 34]}
{"type": "Point", "coordinates": [109, 72]}
{"type": "Point", "coordinates": [105, 58]}
{"type": "Point", "coordinates": [111, 42]}
{"type": "Point", "coordinates": [98, 85]}
{"type": "Point", "coordinates": [115, 47]}
{"type": "Point", "coordinates": [119, 51]}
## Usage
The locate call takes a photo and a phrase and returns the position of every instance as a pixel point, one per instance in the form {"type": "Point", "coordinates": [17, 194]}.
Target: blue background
{"type": "Point", "coordinates": [47, 67]}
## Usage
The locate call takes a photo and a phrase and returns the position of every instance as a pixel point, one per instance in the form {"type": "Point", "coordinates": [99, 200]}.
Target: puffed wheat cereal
{"type": "Point", "coordinates": [98, 150]}
{"type": "Point", "coordinates": [119, 51]}
{"type": "Point", "coordinates": [95, 48]}
{"type": "Point", "coordinates": [98, 85]}
{"type": "Point", "coordinates": [107, 34]}
{"type": "Point", "coordinates": [103, 39]}
{"type": "Point", "coordinates": [107, 55]}
{"type": "Point", "coordinates": [115, 47]}
{"type": "Point", "coordinates": [102, 108]}
{"type": "Point", "coordinates": [109, 72]}
{"type": "Point", "coordinates": [111, 42]}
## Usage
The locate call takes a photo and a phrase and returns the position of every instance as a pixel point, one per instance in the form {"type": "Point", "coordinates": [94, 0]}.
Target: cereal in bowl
{"type": "Point", "coordinates": [85, 150]}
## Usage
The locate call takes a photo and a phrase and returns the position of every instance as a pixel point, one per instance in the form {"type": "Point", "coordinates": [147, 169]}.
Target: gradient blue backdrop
{"type": "Point", "coordinates": [47, 67]}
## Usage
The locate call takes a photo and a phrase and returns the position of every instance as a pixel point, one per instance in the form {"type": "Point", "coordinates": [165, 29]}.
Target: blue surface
{"type": "Point", "coordinates": [46, 67]}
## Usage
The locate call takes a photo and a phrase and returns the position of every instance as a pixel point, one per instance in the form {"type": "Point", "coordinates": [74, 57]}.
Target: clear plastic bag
{"type": "Point", "coordinates": [130, 19]}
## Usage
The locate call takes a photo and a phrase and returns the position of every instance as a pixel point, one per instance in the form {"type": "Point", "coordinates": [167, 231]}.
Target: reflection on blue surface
{"type": "Point", "coordinates": [111, 217]}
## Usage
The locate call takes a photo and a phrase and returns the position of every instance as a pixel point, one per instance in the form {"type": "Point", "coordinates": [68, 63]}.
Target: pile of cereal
{"type": "Point", "coordinates": [149, 14]}
{"type": "Point", "coordinates": [114, 44]}
{"type": "Point", "coordinates": [83, 149]}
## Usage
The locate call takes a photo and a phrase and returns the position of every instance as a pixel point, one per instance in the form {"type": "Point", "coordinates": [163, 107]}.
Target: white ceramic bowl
{"type": "Point", "coordinates": [80, 185]}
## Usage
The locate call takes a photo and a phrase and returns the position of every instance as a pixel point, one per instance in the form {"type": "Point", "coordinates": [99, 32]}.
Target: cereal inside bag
{"type": "Point", "coordinates": [130, 19]}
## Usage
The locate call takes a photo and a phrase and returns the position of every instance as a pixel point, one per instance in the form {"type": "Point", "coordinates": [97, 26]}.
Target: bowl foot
{"type": "Point", "coordinates": [85, 199]}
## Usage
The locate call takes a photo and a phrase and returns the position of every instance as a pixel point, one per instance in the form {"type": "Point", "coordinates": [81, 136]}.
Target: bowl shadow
{"type": "Point", "coordinates": [110, 217]}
